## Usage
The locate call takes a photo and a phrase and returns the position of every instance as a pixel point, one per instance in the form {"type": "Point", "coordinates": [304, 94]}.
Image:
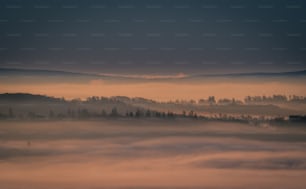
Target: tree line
{"type": "Point", "coordinates": [84, 113]}
{"type": "Point", "coordinates": [211, 100]}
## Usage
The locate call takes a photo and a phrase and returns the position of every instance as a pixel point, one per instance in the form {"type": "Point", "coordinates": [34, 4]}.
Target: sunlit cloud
{"type": "Point", "coordinates": [135, 76]}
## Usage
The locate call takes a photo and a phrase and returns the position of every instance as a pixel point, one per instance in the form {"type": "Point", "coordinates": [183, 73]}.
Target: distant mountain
{"type": "Point", "coordinates": [14, 72]}
{"type": "Point", "coordinates": [257, 74]}
{"type": "Point", "coordinates": [41, 76]}
{"type": "Point", "coordinates": [34, 72]}
{"type": "Point", "coordinates": [62, 75]}
{"type": "Point", "coordinates": [25, 102]}
{"type": "Point", "coordinates": [27, 98]}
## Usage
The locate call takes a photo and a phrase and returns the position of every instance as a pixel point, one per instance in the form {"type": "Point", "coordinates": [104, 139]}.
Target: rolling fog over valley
{"type": "Point", "coordinates": [152, 94]}
{"type": "Point", "coordinates": [23, 105]}
{"type": "Point", "coordinates": [121, 142]}
{"type": "Point", "coordinates": [150, 154]}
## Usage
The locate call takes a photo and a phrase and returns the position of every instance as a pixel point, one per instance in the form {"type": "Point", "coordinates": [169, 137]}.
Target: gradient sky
{"type": "Point", "coordinates": [155, 37]}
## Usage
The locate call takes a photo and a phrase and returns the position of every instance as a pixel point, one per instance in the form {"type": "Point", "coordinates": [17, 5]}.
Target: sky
{"type": "Point", "coordinates": [153, 36]}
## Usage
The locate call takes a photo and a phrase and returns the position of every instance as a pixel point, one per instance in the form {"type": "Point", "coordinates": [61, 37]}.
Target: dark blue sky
{"type": "Point", "coordinates": [140, 36]}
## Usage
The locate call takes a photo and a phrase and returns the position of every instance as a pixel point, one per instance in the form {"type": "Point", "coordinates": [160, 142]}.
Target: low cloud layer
{"type": "Point", "coordinates": [144, 154]}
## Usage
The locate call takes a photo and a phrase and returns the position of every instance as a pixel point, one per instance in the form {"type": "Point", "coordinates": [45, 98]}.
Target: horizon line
{"type": "Point", "coordinates": [178, 75]}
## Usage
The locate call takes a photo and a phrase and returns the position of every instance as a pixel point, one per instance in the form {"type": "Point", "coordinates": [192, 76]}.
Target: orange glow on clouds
{"type": "Point", "coordinates": [157, 90]}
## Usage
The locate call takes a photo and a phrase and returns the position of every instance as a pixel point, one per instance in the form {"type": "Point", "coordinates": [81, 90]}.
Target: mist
{"type": "Point", "coordinates": [146, 154]}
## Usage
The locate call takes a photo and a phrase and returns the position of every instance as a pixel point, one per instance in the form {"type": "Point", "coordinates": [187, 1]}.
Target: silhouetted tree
{"type": "Point", "coordinates": [211, 100]}
{"type": "Point", "coordinates": [138, 113]}
{"type": "Point", "coordinates": [114, 112]}
{"type": "Point", "coordinates": [148, 113]}
{"type": "Point", "coordinates": [192, 102]}
{"type": "Point", "coordinates": [191, 113]}
{"type": "Point", "coordinates": [163, 114]}
{"type": "Point", "coordinates": [70, 113]}
{"type": "Point", "coordinates": [157, 114]}
{"type": "Point", "coordinates": [11, 113]}
{"type": "Point", "coordinates": [170, 114]}
{"type": "Point", "coordinates": [51, 114]}
{"type": "Point", "coordinates": [131, 114]}
{"type": "Point", "coordinates": [103, 113]}
{"type": "Point", "coordinates": [83, 113]}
